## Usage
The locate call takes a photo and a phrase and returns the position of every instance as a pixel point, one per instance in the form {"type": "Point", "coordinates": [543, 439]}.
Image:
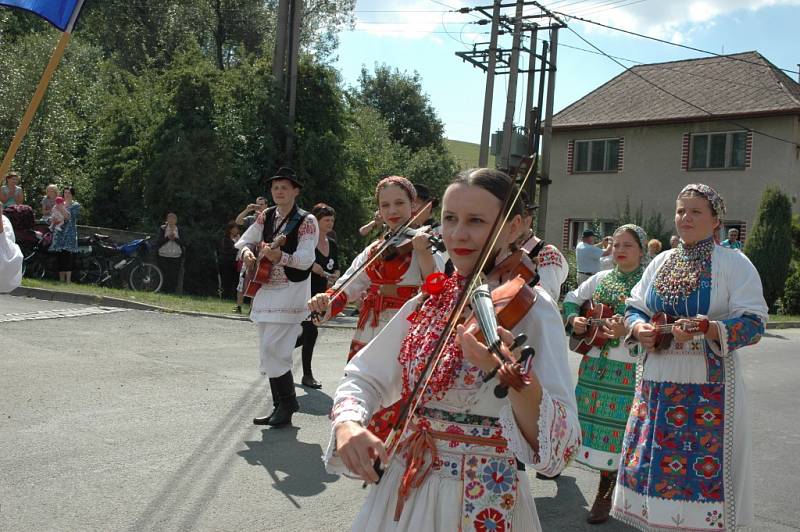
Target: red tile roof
{"type": "Point", "coordinates": [736, 85]}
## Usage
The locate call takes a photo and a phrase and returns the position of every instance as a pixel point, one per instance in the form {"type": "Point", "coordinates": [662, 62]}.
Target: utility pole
{"type": "Point", "coordinates": [284, 62]}
{"type": "Point", "coordinates": [486, 127]}
{"type": "Point", "coordinates": [511, 95]}
{"type": "Point", "coordinates": [547, 137]}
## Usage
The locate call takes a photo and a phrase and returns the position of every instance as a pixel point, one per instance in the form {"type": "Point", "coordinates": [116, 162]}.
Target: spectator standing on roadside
{"type": "Point", "coordinates": [653, 248]}
{"type": "Point", "coordinates": [587, 256]}
{"type": "Point", "coordinates": [226, 261]}
{"type": "Point", "coordinates": [11, 193]}
{"type": "Point", "coordinates": [49, 200]}
{"type": "Point", "coordinates": [606, 261]}
{"type": "Point", "coordinates": [65, 242]}
{"type": "Point", "coordinates": [733, 241]}
{"type": "Point", "coordinates": [367, 228]}
{"type": "Point", "coordinates": [170, 252]}
{"type": "Point", "coordinates": [674, 241]}
{"type": "Point", "coordinates": [10, 256]}
{"type": "Point", "coordinates": [246, 218]}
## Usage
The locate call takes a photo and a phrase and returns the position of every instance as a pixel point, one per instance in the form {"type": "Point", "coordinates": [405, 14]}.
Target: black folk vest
{"type": "Point", "coordinates": [291, 229]}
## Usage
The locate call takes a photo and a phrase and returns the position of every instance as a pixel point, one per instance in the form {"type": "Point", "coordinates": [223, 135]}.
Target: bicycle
{"type": "Point", "coordinates": [124, 264]}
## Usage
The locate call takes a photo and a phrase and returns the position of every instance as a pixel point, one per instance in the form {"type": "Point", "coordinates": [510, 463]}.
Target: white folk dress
{"type": "Point", "coordinates": [552, 268]}
{"type": "Point", "coordinates": [470, 485]}
{"type": "Point", "coordinates": [10, 259]}
{"type": "Point", "coordinates": [686, 453]}
{"type": "Point", "coordinates": [280, 305]}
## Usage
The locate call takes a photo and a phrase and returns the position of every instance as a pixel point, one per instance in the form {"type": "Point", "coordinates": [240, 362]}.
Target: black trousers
{"type": "Point", "coordinates": [170, 267]}
{"type": "Point", "coordinates": [308, 340]}
{"type": "Point", "coordinates": [229, 279]}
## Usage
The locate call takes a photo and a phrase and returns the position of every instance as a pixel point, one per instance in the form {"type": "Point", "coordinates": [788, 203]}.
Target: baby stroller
{"type": "Point", "coordinates": [33, 239]}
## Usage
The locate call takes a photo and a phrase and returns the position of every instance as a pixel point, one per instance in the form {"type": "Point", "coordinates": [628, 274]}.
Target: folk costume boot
{"type": "Point", "coordinates": [273, 387]}
{"type": "Point", "coordinates": [287, 403]}
{"type": "Point", "coordinates": [602, 502]}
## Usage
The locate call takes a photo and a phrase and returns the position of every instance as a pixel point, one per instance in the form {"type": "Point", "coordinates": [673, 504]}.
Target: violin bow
{"type": "Point", "coordinates": [378, 252]}
{"type": "Point", "coordinates": [414, 398]}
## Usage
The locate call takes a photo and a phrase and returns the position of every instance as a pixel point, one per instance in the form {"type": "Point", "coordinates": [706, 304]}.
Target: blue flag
{"type": "Point", "coordinates": [56, 12]}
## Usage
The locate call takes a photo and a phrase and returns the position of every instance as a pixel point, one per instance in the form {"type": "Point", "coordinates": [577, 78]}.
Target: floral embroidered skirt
{"type": "Point", "coordinates": [469, 487]}
{"type": "Point", "coordinates": [604, 394]}
{"type": "Point", "coordinates": [686, 452]}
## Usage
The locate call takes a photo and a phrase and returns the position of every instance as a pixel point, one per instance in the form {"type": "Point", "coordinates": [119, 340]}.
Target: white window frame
{"type": "Point", "coordinates": [728, 156]}
{"type": "Point", "coordinates": [589, 142]}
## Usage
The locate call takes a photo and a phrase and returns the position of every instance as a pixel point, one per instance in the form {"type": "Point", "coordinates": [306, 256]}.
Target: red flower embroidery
{"type": "Point", "coordinates": [708, 416]}
{"type": "Point", "coordinates": [673, 464]}
{"type": "Point", "coordinates": [677, 416]}
{"type": "Point", "coordinates": [490, 520]}
{"type": "Point", "coordinates": [707, 466]}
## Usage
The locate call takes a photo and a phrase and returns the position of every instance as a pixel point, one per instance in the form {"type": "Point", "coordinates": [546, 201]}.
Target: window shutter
{"type": "Point", "coordinates": [743, 232]}
{"type": "Point", "coordinates": [565, 234]}
{"type": "Point", "coordinates": [748, 150]}
{"type": "Point", "coordinates": [570, 156]}
{"type": "Point", "coordinates": [685, 152]}
{"type": "Point", "coordinates": [620, 154]}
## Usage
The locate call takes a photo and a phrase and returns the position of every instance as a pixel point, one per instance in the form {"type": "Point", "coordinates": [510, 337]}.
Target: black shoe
{"type": "Point", "coordinates": [263, 420]}
{"type": "Point", "coordinates": [543, 477]}
{"type": "Point", "coordinates": [237, 309]}
{"type": "Point", "coordinates": [283, 414]}
{"type": "Point", "coordinates": [310, 382]}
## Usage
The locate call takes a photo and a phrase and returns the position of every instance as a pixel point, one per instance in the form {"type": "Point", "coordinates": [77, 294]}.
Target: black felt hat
{"type": "Point", "coordinates": [284, 172]}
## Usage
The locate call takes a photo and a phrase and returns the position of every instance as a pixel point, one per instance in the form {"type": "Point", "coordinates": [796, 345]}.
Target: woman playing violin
{"type": "Point", "coordinates": [456, 466]}
{"type": "Point", "coordinates": [390, 280]}
{"type": "Point", "coordinates": [607, 374]}
{"type": "Point", "coordinates": [686, 450]}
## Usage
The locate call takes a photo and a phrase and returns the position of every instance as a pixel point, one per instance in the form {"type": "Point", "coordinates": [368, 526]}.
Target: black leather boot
{"type": "Point", "coordinates": [287, 404]}
{"type": "Point", "coordinates": [276, 398]}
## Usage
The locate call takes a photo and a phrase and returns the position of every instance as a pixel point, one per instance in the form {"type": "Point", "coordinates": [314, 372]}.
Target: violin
{"type": "Point", "coordinates": [516, 264]}
{"type": "Point", "coordinates": [400, 243]}
{"type": "Point", "coordinates": [597, 315]}
{"type": "Point", "coordinates": [664, 323]}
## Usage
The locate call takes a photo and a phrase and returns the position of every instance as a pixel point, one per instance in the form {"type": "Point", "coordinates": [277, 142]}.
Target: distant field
{"type": "Point", "coordinates": [466, 153]}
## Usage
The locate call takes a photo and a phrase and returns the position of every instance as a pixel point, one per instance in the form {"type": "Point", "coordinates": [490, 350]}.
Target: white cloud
{"type": "Point", "coordinates": [674, 21]}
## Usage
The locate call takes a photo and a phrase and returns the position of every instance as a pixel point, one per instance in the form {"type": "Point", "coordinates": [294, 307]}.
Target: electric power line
{"type": "Point", "coordinates": [588, 21]}
{"type": "Point", "coordinates": [687, 102]}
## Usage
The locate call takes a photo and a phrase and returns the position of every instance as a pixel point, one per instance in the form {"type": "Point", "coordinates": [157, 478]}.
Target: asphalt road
{"type": "Point", "coordinates": [128, 421]}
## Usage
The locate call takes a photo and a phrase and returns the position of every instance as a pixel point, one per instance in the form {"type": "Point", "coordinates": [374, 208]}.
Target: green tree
{"type": "Point", "coordinates": [399, 99]}
{"type": "Point", "coordinates": [769, 244]}
{"type": "Point", "coordinates": [61, 138]}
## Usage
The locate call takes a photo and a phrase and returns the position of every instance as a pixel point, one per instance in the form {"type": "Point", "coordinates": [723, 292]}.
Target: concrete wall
{"type": "Point", "coordinates": [652, 173]}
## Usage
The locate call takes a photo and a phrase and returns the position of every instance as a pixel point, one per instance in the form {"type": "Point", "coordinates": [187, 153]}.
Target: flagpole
{"type": "Point", "coordinates": [41, 89]}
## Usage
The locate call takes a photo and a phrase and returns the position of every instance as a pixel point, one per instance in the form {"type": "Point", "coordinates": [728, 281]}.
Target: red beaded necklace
{"type": "Point", "coordinates": [427, 326]}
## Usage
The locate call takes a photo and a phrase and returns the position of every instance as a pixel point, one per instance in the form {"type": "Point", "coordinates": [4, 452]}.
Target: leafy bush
{"type": "Point", "coordinates": [769, 244]}
{"type": "Point", "coordinates": [790, 302]}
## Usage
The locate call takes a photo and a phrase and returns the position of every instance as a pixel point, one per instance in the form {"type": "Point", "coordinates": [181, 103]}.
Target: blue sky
{"type": "Point", "coordinates": [422, 36]}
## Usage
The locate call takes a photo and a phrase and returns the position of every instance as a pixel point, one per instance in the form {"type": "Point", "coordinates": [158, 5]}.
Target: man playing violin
{"type": "Point", "coordinates": [279, 305]}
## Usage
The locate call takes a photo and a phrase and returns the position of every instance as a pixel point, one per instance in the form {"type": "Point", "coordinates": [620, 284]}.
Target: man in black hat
{"type": "Point", "coordinates": [587, 256]}
{"type": "Point", "coordinates": [280, 304]}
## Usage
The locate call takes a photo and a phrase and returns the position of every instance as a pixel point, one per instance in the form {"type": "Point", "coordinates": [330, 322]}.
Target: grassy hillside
{"type": "Point", "coordinates": [466, 153]}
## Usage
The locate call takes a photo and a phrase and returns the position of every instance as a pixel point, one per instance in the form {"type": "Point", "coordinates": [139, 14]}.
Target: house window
{"type": "Point", "coordinates": [718, 150]}
{"type": "Point", "coordinates": [601, 155]}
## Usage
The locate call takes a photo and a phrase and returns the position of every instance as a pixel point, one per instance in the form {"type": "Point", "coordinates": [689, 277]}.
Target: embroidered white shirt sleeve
{"type": "Point", "coordinates": [10, 259]}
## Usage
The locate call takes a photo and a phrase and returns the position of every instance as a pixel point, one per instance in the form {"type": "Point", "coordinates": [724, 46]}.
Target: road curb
{"type": "Point", "coordinates": [341, 322]}
{"type": "Point", "coordinates": [106, 301]}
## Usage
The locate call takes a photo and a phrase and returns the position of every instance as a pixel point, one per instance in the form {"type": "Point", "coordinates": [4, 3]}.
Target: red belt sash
{"type": "Point", "coordinates": [381, 297]}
